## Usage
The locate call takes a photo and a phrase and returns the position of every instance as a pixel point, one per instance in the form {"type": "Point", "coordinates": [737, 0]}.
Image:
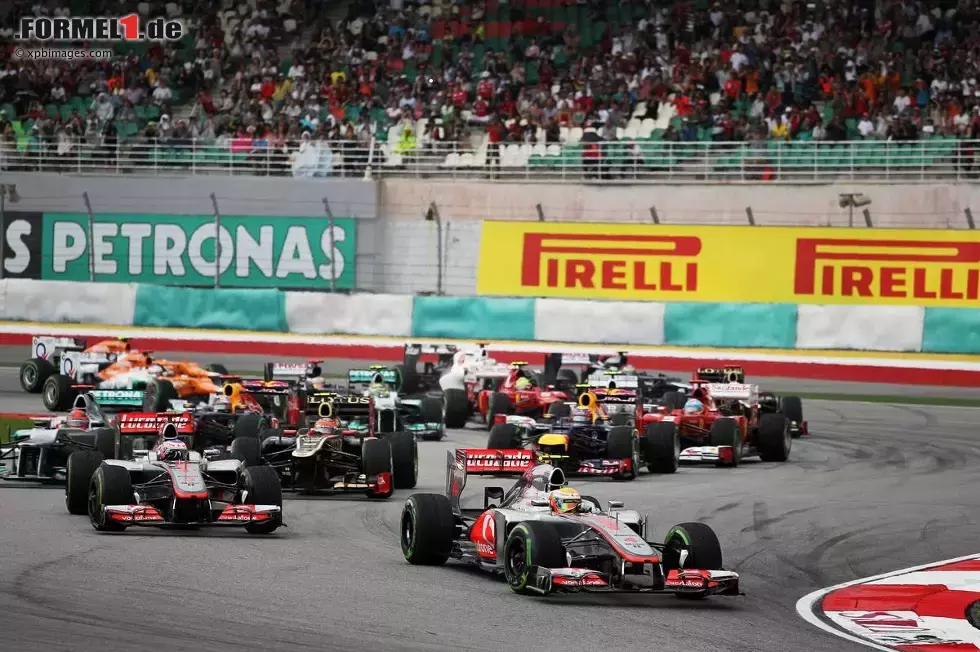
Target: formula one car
{"type": "Point", "coordinates": [47, 353]}
{"type": "Point", "coordinates": [507, 398]}
{"type": "Point", "coordinates": [395, 412]}
{"type": "Point", "coordinates": [172, 485]}
{"type": "Point", "coordinates": [340, 453]}
{"type": "Point", "coordinates": [40, 454]}
{"type": "Point", "coordinates": [540, 550]}
{"type": "Point", "coordinates": [585, 439]}
{"type": "Point", "coordinates": [732, 424]}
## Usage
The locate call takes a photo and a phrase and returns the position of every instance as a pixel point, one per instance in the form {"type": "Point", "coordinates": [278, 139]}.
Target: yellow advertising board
{"type": "Point", "coordinates": [649, 262]}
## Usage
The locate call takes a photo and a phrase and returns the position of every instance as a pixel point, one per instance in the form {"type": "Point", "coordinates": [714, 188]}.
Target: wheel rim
{"type": "Point", "coordinates": [93, 504]}
{"type": "Point", "coordinates": [408, 532]}
{"type": "Point", "coordinates": [29, 376]}
{"type": "Point", "coordinates": [787, 438]}
{"type": "Point", "coordinates": [517, 559]}
{"type": "Point", "coordinates": [677, 448]}
{"type": "Point", "coordinates": [50, 396]}
{"type": "Point", "coordinates": [636, 456]}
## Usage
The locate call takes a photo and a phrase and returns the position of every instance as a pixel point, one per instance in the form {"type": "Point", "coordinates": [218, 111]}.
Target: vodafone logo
{"type": "Point", "coordinates": [489, 528]}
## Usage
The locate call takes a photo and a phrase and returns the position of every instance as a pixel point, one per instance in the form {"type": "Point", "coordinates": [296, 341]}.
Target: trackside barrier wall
{"type": "Point", "coordinates": [874, 328]}
{"type": "Point", "coordinates": [251, 310]}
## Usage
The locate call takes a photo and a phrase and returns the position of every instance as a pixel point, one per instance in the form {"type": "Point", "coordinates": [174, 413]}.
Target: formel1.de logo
{"type": "Point", "coordinates": [99, 28]}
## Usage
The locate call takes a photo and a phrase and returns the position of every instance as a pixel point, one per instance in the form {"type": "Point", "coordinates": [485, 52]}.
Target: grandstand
{"type": "Point", "coordinates": [557, 89]}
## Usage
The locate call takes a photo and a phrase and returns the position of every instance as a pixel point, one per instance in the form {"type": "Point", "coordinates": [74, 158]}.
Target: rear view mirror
{"type": "Point", "coordinates": [492, 493]}
{"type": "Point", "coordinates": [539, 502]}
{"type": "Point", "coordinates": [616, 504]}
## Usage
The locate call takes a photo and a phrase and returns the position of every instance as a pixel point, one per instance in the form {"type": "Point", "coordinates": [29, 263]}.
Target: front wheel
{"type": "Point", "coordinates": [58, 395]}
{"type": "Point", "coordinates": [622, 444]}
{"type": "Point", "coordinates": [111, 485]}
{"type": "Point", "coordinates": [404, 459]}
{"type": "Point", "coordinates": [662, 447]}
{"type": "Point", "coordinates": [702, 547]}
{"type": "Point", "coordinates": [264, 488]}
{"type": "Point", "coordinates": [530, 544]}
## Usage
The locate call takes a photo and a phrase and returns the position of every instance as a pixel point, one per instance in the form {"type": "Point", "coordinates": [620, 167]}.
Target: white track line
{"type": "Point", "coordinates": [806, 605]}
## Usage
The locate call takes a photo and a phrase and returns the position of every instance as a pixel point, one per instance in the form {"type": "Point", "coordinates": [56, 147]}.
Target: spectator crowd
{"type": "Point", "coordinates": [264, 73]}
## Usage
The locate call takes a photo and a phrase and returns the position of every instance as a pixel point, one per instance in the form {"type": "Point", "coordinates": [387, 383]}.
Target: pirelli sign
{"type": "Point", "coordinates": [730, 264]}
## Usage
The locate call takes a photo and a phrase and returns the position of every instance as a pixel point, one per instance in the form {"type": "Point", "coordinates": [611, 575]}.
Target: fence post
{"type": "Point", "coordinates": [91, 240]}
{"type": "Point", "coordinates": [748, 213]}
{"type": "Point", "coordinates": [432, 215]}
{"type": "Point", "coordinates": [540, 209]}
{"type": "Point", "coordinates": [333, 257]}
{"type": "Point", "coordinates": [966, 211]}
{"type": "Point", "coordinates": [653, 215]}
{"type": "Point", "coordinates": [217, 241]}
{"type": "Point", "coordinates": [867, 218]}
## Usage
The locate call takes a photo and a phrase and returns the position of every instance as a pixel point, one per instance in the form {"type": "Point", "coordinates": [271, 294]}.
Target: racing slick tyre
{"type": "Point", "coordinates": [530, 544]}
{"type": "Point", "coordinates": [504, 435]}
{"type": "Point", "coordinates": [673, 400]}
{"type": "Point", "coordinates": [792, 407]}
{"type": "Point", "coordinates": [58, 395]}
{"type": "Point", "coordinates": [455, 408]}
{"type": "Point", "coordinates": [662, 447]}
{"type": "Point", "coordinates": [725, 432]}
{"type": "Point", "coordinates": [376, 458]}
{"type": "Point", "coordinates": [623, 444]}
{"type": "Point", "coordinates": [247, 449]}
{"type": "Point", "coordinates": [249, 425]}
{"type": "Point", "coordinates": [104, 440]}
{"type": "Point", "coordinates": [620, 419]}
{"type": "Point", "coordinates": [430, 411]}
{"type": "Point", "coordinates": [411, 381]}
{"type": "Point", "coordinates": [428, 528]}
{"type": "Point", "coordinates": [264, 488]}
{"type": "Point", "coordinates": [78, 475]}
{"type": "Point", "coordinates": [559, 410]}
{"type": "Point", "coordinates": [702, 546]}
{"type": "Point", "coordinates": [567, 380]}
{"type": "Point", "coordinates": [773, 439]}
{"type": "Point", "coordinates": [499, 404]}
{"type": "Point", "coordinates": [404, 460]}
{"type": "Point", "coordinates": [218, 368]}
{"type": "Point", "coordinates": [33, 373]}
{"type": "Point", "coordinates": [111, 485]}
{"type": "Point", "coordinates": [158, 394]}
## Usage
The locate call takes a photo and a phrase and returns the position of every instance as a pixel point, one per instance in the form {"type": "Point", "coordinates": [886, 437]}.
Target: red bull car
{"type": "Point", "coordinates": [520, 535]}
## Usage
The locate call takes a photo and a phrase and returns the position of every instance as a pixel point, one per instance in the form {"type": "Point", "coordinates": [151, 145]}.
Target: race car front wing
{"type": "Point", "coordinates": [691, 582]}
{"type": "Point", "coordinates": [147, 515]}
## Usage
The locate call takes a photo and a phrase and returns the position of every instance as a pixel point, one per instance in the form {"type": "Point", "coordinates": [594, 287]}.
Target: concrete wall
{"type": "Point", "coordinates": [894, 205]}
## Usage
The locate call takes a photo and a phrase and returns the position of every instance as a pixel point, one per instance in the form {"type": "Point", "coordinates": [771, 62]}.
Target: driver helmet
{"type": "Point", "coordinates": [581, 416]}
{"type": "Point", "coordinates": [522, 384]}
{"type": "Point", "coordinates": [378, 389]}
{"type": "Point", "coordinates": [326, 426]}
{"type": "Point", "coordinates": [693, 406]}
{"type": "Point", "coordinates": [564, 500]}
{"type": "Point", "coordinates": [172, 450]}
{"type": "Point", "coordinates": [77, 419]}
{"type": "Point", "coordinates": [222, 403]}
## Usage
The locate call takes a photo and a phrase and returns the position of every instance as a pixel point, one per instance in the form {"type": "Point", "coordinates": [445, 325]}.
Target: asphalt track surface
{"type": "Point", "coordinates": [876, 487]}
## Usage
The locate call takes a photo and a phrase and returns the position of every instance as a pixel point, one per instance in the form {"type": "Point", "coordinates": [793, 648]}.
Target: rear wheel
{"type": "Point", "coordinates": [78, 476]}
{"type": "Point", "coordinates": [34, 373]}
{"type": "Point", "coordinates": [504, 435]}
{"type": "Point", "coordinates": [662, 447]}
{"type": "Point", "coordinates": [499, 404]}
{"type": "Point", "coordinates": [404, 459]}
{"type": "Point", "coordinates": [111, 485]}
{"type": "Point", "coordinates": [428, 528]}
{"type": "Point", "coordinates": [158, 394]}
{"type": "Point", "coordinates": [376, 459]}
{"type": "Point", "coordinates": [105, 442]}
{"type": "Point", "coordinates": [456, 408]}
{"type": "Point", "coordinates": [622, 444]}
{"type": "Point", "coordinates": [249, 425]}
{"type": "Point", "coordinates": [567, 379]}
{"type": "Point", "coordinates": [530, 544]}
{"type": "Point", "coordinates": [773, 439]}
{"type": "Point", "coordinates": [264, 488]}
{"type": "Point", "coordinates": [725, 432]}
{"type": "Point", "coordinates": [58, 395]}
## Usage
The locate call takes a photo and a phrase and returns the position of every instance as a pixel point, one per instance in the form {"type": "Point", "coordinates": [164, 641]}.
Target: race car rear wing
{"type": "Point", "coordinates": [723, 375]}
{"type": "Point", "coordinates": [46, 347]}
{"type": "Point", "coordinates": [734, 391]}
{"type": "Point", "coordinates": [340, 406]}
{"type": "Point", "coordinates": [357, 377]}
{"type": "Point", "coordinates": [496, 461]}
{"type": "Point", "coordinates": [292, 372]}
{"type": "Point", "coordinates": [151, 422]}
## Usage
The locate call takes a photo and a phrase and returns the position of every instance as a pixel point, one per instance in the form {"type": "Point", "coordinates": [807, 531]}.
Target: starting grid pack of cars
{"type": "Point", "coordinates": [156, 442]}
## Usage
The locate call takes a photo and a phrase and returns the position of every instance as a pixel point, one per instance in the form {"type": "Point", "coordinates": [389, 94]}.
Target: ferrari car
{"type": "Point", "coordinates": [539, 549]}
{"type": "Point", "coordinates": [729, 424]}
{"type": "Point", "coordinates": [340, 453]}
{"type": "Point", "coordinates": [509, 397]}
{"type": "Point", "coordinates": [587, 438]}
{"type": "Point", "coordinates": [172, 485]}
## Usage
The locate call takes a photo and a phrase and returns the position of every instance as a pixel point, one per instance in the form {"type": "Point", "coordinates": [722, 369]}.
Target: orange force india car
{"type": "Point", "coordinates": [64, 367]}
{"type": "Point", "coordinates": [540, 550]}
{"type": "Point", "coordinates": [732, 425]}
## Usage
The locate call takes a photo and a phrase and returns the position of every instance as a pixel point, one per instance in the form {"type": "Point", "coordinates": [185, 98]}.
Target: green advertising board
{"type": "Point", "coordinates": [283, 252]}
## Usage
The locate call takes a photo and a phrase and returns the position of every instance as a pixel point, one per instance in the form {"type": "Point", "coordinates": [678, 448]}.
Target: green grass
{"type": "Point", "coordinates": [889, 398]}
{"type": "Point", "coordinates": [10, 425]}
